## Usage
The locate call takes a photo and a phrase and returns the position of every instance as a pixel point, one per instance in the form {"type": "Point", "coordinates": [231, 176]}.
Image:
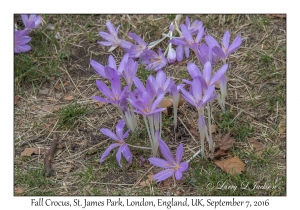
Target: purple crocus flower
{"type": "Point", "coordinates": [204, 54]}
{"type": "Point", "coordinates": [187, 42]}
{"type": "Point", "coordinates": [99, 68]}
{"type": "Point", "coordinates": [194, 28]}
{"type": "Point", "coordinates": [135, 51]}
{"type": "Point", "coordinates": [195, 97]}
{"type": "Point", "coordinates": [119, 138]}
{"type": "Point", "coordinates": [112, 38]}
{"type": "Point", "coordinates": [172, 166]}
{"type": "Point", "coordinates": [20, 41]}
{"type": "Point", "coordinates": [145, 105]}
{"type": "Point", "coordinates": [31, 22]}
{"type": "Point", "coordinates": [194, 71]}
{"type": "Point", "coordinates": [154, 61]}
{"type": "Point", "coordinates": [115, 96]}
{"type": "Point", "coordinates": [227, 49]}
{"type": "Point", "coordinates": [130, 70]}
{"type": "Point", "coordinates": [161, 83]}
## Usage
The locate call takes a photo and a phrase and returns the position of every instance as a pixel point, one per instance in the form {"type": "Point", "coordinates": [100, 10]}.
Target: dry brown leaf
{"type": "Point", "coordinates": [232, 165]}
{"type": "Point", "coordinates": [219, 153]}
{"type": "Point", "coordinates": [100, 104]}
{"type": "Point", "coordinates": [226, 142]}
{"type": "Point", "coordinates": [217, 84]}
{"type": "Point", "coordinates": [19, 190]}
{"type": "Point", "coordinates": [257, 146]}
{"type": "Point", "coordinates": [68, 98]}
{"type": "Point", "coordinates": [16, 99]}
{"type": "Point", "coordinates": [32, 151]}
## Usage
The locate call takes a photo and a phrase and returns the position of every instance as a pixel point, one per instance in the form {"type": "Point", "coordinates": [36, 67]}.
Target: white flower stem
{"type": "Point", "coordinates": [139, 147]}
{"type": "Point", "coordinates": [148, 131]}
{"type": "Point", "coordinates": [211, 143]}
{"type": "Point", "coordinates": [154, 139]}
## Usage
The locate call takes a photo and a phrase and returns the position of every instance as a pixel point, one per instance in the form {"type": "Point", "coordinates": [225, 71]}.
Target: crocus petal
{"type": "Point", "coordinates": [107, 151]}
{"type": "Point", "coordinates": [208, 95]}
{"type": "Point", "coordinates": [125, 44]}
{"type": "Point", "coordinates": [126, 152]}
{"type": "Point", "coordinates": [235, 44]}
{"type": "Point", "coordinates": [187, 51]}
{"type": "Point", "coordinates": [219, 52]}
{"type": "Point", "coordinates": [111, 28]}
{"type": "Point", "coordinates": [171, 55]}
{"type": "Point", "coordinates": [179, 153]}
{"type": "Point", "coordinates": [123, 63]}
{"type": "Point", "coordinates": [188, 97]}
{"type": "Point", "coordinates": [138, 84]}
{"type": "Point", "coordinates": [157, 101]}
{"type": "Point", "coordinates": [226, 39]}
{"type": "Point", "coordinates": [118, 156]}
{"type": "Point", "coordinates": [179, 53]}
{"type": "Point", "coordinates": [98, 98]}
{"type": "Point", "coordinates": [199, 35]}
{"type": "Point", "coordinates": [112, 62]}
{"type": "Point", "coordinates": [110, 134]}
{"type": "Point", "coordinates": [119, 129]}
{"type": "Point", "coordinates": [178, 174]}
{"type": "Point", "coordinates": [193, 70]}
{"type": "Point", "coordinates": [211, 42]}
{"type": "Point", "coordinates": [160, 162]}
{"type": "Point", "coordinates": [218, 74]}
{"type": "Point", "coordinates": [187, 35]}
{"type": "Point", "coordinates": [137, 38]}
{"type": "Point", "coordinates": [166, 152]}
{"type": "Point", "coordinates": [178, 41]}
{"type": "Point", "coordinates": [106, 44]}
{"type": "Point", "coordinates": [161, 78]}
{"type": "Point", "coordinates": [207, 71]}
{"type": "Point", "coordinates": [24, 19]}
{"type": "Point", "coordinates": [103, 88]}
{"type": "Point", "coordinates": [223, 84]}
{"type": "Point", "coordinates": [127, 132]}
{"type": "Point", "coordinates": [98, 68]}
{"type": "Point", "coordinates": [197, 89]}
{"type": "Point", "coordinates": [160, 176]}
{"type": "Point", "coordinates": [183, 166]}
{"type": "Point", "coordinates": [107, 36]}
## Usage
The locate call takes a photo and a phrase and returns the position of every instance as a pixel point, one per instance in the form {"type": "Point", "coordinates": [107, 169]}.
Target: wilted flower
{"type": "Point", "coordinates": [20, 41]}
{"type": "Point", "coordinates": [171, 57]}
{"type": "Point", "coordinates": [31, 22]}
{"type": "Point", "coordinates": [171, 165]}
{"type": "Point", "coordinates": [119, 138]}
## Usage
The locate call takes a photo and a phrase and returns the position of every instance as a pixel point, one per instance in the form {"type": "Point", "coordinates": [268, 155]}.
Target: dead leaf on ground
{"type": "Point", "coordinates": [100, 104]}
{"type": "Point", "coordinates": [68, 98]}
{"type": "Point", "coordinates": [168, 104]}
{"type": "Point", "coordinates": [33, 151]}
{"type": "Point", "coordinates": [257, 146]}
{"type": "Point", "coordinates": [226, 142]}
{"type": "Point", "coordinates": [281, 16]}
{"type": "Point", "coordinates": [232, 165]}
{"type": "Point", "coordinates": [16, 99]}
{"type": "Point", "coordinates": [19, 190]}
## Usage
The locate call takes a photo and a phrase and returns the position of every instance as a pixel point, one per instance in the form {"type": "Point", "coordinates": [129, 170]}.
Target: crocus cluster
{"type": "Point", "coordinates": [21, 38]}
{"type": "Point", "coordinates": [145, 99]}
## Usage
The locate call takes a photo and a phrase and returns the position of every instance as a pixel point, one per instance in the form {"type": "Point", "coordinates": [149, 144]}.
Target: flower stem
{"type": "Point", "coordinates": [148, 131]}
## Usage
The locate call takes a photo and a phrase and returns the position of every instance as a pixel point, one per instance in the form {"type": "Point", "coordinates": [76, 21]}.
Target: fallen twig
{"type": "Point", "coordinates": [49, 156]}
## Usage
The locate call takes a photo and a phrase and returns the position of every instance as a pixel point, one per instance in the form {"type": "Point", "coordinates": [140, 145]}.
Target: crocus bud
{"type": "Point", "coordinates": [171, 55]}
